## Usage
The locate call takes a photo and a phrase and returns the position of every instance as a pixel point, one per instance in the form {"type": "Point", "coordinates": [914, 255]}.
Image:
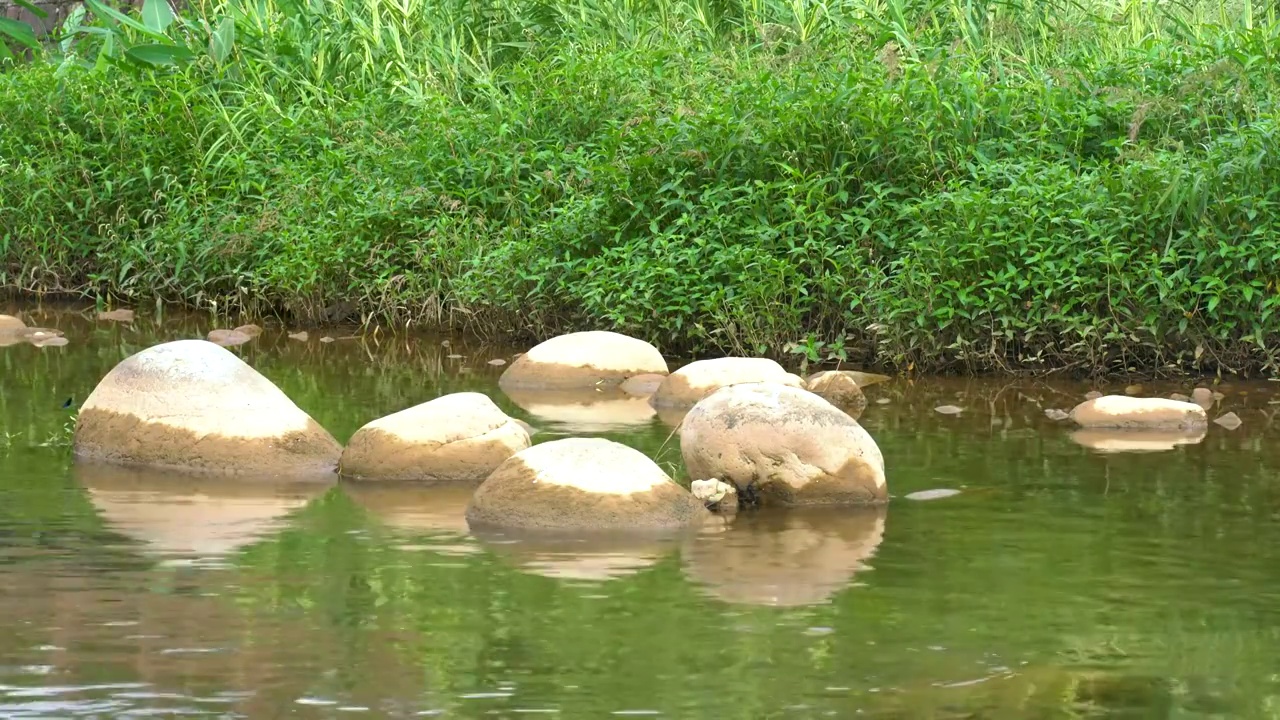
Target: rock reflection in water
{"type": "Point", "coordinates": [177, 514]}
{"type": "Point", "coordinates": [438, 509]}
{"type": "Point", "coordinates": [1118, 441]}
{"type": "Point", "coordinates": [785, 558]}
{"type": "Point", "coordinates": [585, 411]}
{"type": "Point", "coordinates": [600, 557]}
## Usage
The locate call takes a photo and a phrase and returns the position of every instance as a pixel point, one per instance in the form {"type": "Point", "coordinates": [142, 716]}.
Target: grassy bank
{"type": "Point", "coordinates": [938, 185]}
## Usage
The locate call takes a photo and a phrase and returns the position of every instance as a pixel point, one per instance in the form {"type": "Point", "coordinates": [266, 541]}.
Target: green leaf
{"type": "Point", "coordinates": [115, 17]}
{"type": "Point", "coordinates": [223, 40]}
{"type": "Point", "coordinates": [157, 55]}
{"type": "Point", "coordinates": [32, 8]}
{"type": "Point", "coordinates": [157, 15]}
{"type": "Point", "coordinates": [20, 32]}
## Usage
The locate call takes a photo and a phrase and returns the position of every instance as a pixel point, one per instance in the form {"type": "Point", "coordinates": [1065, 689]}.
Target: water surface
{"type": "Point", "coordinates": [1074, 576]}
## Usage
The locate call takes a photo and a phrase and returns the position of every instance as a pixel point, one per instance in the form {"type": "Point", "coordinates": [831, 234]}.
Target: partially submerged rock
{"type": "Point", "coordinates": [1119, 411]}
{"type": "Point", "coordinates": [782, 445]}
{"type": "Point", "coordinates": [1230, 421]}
{"type": "Point", "coordinates": [643, 385]}
{"type": "Point", "coordinates": [191, 405]}
{"type": "Point", "coordinates": [840, 388]}
{"type": "Point", "coordinates": [1057, 415]}
{"type": "Point", "coordinates": [948, 410]}
{"type": "Point", "coordinates": [582, 485]}
{"type": "Point", "coordinates": [117, 315]}
{"type": "Point", "coordinates": [458, 437]}
{"type": "Point", "coordinates": [1203, 397]}
{"type": "Point", "coordinates": [695, 381]}
{"type": "Point", "coordinates": [228, 338]}
{"type": "Point", "coordinates": [717, 495]}
{"type": "Point", "coordinates": [251, 330]}
{"type": "Point", "coordinates": [9, 323]}
{"type": "Point", "coordinates": [583, 360]}
{"type": "Point", "coordinates": [935, 494]}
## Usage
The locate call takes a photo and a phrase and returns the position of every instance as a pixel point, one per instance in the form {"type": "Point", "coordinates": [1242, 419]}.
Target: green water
{"type": "Point", "coordinates": [1062, 582]}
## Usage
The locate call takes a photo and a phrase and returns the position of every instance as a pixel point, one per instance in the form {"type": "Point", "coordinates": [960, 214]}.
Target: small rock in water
{"type": "Point", "coordinates": [1092, 395]}
{"type": "Point", "coordinates": [326, 339]}
{"type": "Point", "coordinates": [120, 315]}
{"type": "Point", "coordinates": [1133, 390]}
{"type": "Point", "coordinates": [1230, 421]}
{"type": "Point", "coordinates": [497, 362]}
{"type": "Point", "coordinates": [455, 356]}
{"type": "Point", "coordinates": [1180, 397]}
{"type": "Point", "coordinates": [882, 401]}
{"type": "Point", "coordinates": [228, 338]}
{"type": "Point", "coordinates": [948, 410]}
{"type": "Point", "coordinates": [1218, 396]}
{"type": "Point", "coordinates": [252, 331]}
{"type": "Point", "coordinates": [54, 341]}
{"type": "Point", "coordinates": [1203, 397]}
{"type": "Point", "coordinates": [1056, 414]}
{"type": "Point", "coordinates": [300, 336]}
{"type": "Point", "coordinates": [932, 494]}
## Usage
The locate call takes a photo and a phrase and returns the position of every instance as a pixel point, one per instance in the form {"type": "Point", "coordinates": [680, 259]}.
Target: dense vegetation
{"type": "Point", "coordinates": [937, 183]}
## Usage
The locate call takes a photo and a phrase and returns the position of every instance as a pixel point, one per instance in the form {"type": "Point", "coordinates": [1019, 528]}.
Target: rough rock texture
{"type": "Point", "coordinates": [463, 436]}
{"type": "Point", "coordinates": [583, 360]}
{"type": "Point", "coordinates": [192, 405]}
{"type": "Point", "coordinates": [840, 388]}
{"type": "Point", "coordinates": [782, 445]}
{"type": "Point", "coordinates": [582, 484]}
{"type": "Point", "coordinates": [695, 381]}
{"type": "Point", "coordinates": [1119, 411]}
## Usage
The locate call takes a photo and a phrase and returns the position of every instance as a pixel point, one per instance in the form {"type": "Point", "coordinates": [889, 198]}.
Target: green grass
{"type": "Point", "coordinates": [936, 185]}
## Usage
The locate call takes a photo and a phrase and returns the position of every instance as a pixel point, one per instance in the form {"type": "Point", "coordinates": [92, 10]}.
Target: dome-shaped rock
{"type": "Point", "coordinates": [582, 484]}
{"type": "Point", "coordinates": [463, 436]}
{"type": "Point", "coordinates": [9, 323]}
{"type": "Point", "coordinates": [1120, 411]}
{"type": "Point", "coordinates": [838, 387]}
{"type": "Point", "coordinates": [695, 381]}
{"type": "Point", "coordinates": [192, 405]}
{"type": "Point", "coordinates": [583, 360]}
{"type": "Point", "coordinates": [782, 445]}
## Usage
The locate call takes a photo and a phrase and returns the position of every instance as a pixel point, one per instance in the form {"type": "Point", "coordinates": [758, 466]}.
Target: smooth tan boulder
{"type": "Point", "coordinates": [1119, 411]}
{"type": "Point", "coordinates": [782, 445]}
{"type": "Point", "coordinates": [695, 381]}
{"type": "Point", "coordinates": [9, 323]}
{"type": "Point", "coordinates": [463, 436]}
{"type": "Point", "coordinates": [838, 387]}
{"type": "Point", "coordinates": [583, 360]}
{"type": "Point", "coordinates": [582, 484]}
{"type": "Point", "coordinates": [228, 338]}
{"type": "Point", "coordinates": [192, 405]}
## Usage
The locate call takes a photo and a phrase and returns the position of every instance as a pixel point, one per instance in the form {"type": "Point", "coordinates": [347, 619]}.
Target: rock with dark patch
{"type": "Point", "coordinates": [1119, 411]}
{"type": "Point", "coordinates": [582, 485]}
{"type": "Point", "coordinates": [191, 405]}
{"type": "Point", "coordinates": [582, 360]}
{"type": "Point", "coordinates": [782, 445]}
{"type": "Point", "coordinates": [695, 381]}
{"type": "Point", "coordinates": [840, 388]}
{"type": "Point", "coordinates": [458, 437]}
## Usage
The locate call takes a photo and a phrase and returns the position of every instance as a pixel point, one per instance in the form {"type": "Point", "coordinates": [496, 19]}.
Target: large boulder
{"type": "Point", "coordinates": [192, 405]}
{"type": "Point", "coordinates": [9, 323]}
{"type": "Point", "coordinates": [1122, 412]}
{"type": "Point", "coordinates": [782, 445]}
{"type": "Point", "coordinates": [583, 360]}
{"type": "Point", "coordinates": [582, 484]}
{"type": "Point", "coordinates": [840, 388]}
{"type": "Point", "coordinates": [463, 436]}
{"type": "Point", "coordinates": [695, 381]}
